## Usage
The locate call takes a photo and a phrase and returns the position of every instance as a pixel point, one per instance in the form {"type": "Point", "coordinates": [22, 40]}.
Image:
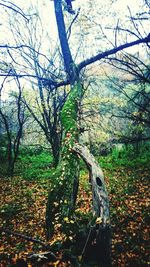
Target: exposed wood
{"type": "Point", "coordinates": [99, 192]}
{"type": "Point", "coordinates": [100, 206]}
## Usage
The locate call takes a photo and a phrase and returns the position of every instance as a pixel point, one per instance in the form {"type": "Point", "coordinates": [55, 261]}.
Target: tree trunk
{"type": "Point", "coordinates": [55, 142]}
{"type": "Point", "coordinates": [66, 177]}
{"type": "Point", "coordinates": [10, 167]}
{"type": "Point", "coordinates": [100, 206]}
{"type": "Point", "coordinates": [65, 186]}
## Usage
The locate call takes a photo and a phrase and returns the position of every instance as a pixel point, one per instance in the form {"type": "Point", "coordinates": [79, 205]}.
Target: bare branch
{"type": "Point", "coordinates": [13, 7]}
{"type": "Point", "coordinates": [70, 27]}
{"type": "Point", "coordinates": [105, 54]}
{"type": "Point", "coordinates": [31, 239]}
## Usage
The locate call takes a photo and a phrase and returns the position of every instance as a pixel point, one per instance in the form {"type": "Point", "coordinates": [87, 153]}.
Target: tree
{"type": "Point", "coordinates": [13, 119]}
{"type": "Point", "coordinates": [129, 81]}
{"type": "Point", "coordinates": [47, 96]}
{"type": "Point", "coordinates": [133, 88]}
{"type": "Point", "coordinates": [8, 5]}
{"type": "Point", "coordinates": [66, 172]}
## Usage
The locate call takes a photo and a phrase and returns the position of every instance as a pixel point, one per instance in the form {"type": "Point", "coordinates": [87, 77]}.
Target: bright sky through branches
{"type": "Point", "coordinates": [105, 14]}
{"type": "Point", "coordinates": [46, 11]}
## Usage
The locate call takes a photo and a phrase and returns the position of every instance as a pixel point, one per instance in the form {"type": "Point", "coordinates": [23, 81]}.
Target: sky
{"type": "Point", "coordinates": [46, 12]}
{"type": "Point", "coordinates": [46, 9]}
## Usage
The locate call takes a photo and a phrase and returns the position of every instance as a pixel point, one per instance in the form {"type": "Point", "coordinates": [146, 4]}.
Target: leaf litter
{"type": "Point", "coordinates": [22, 210]}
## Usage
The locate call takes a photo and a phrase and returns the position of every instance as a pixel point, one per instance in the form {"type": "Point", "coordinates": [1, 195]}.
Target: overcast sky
{"type": "Point", "coordinates": [46, 9]}
{"type": "Point", "coordinates": [108, 15]}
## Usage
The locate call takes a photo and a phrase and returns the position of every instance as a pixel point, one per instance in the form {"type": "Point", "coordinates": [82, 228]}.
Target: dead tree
{"type": "Point", "coordinates": [100, 206]}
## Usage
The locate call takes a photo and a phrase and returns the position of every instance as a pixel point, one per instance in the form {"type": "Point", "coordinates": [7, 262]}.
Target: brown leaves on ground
{"type": "Point", "coordinates": [22, 210]}
{"type": "Point", "coordinates": [129, 212]}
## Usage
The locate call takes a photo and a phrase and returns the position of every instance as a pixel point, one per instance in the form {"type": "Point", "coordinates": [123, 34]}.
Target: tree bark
{"type": "Point", "coordinates": [100, 206]}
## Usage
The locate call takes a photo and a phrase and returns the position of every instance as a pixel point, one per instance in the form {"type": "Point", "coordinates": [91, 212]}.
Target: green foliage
{"type": "Point", "coordinates": [126, 155]}
{"type": "Point", "coordinates": [31, 151]}
{"type": "Point", "coordinates": [122, 183]}
{"type": "Point", "coordinates": [68, 165]}
{"type": "Point", "coordinates": [60, 198]}
{"type": "Point", "coordinates": [115, 164]}
{"type": "Point", "coordinates": [35, 166]}
{"type": "Point", "coordinates": [78, 225]}
{"type": "Point", "coordinates": [69, 116]}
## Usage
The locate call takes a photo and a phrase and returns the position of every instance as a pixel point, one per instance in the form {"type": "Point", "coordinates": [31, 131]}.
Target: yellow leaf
{"type": "Point", "coordinates": [98, 220]}
{"type": "Point", "coordinates": [80, 258]}
{"type": "Point", "coordinates": [66, 219]}
{"type": "Point", "coordinates": [56, 263]}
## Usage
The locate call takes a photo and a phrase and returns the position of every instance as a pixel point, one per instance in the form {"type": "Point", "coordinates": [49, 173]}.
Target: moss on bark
{"type": "Point", "coordinates": [62, 195]}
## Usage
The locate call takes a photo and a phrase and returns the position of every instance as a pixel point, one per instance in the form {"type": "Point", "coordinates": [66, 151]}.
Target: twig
{"type": "Point", "coordinates": [70, 27]}
{"type": "Point", "coordinates": [86, 242]}
{"type": "Point", "coordinates": [14, 8]}
{"type": "Point", "coordinates": [47, 246]}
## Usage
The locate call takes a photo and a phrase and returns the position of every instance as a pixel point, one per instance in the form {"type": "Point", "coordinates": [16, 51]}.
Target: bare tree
{"type": "Point", "coordinates": [133, 88]}
{"type": "Point", "coordinates": [42, 74]}
{"type": "Point", "coordinates": [13, 118]}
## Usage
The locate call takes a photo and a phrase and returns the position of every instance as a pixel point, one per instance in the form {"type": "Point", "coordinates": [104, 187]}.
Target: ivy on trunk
{"type": "Point", "coordinates": [66, 176]}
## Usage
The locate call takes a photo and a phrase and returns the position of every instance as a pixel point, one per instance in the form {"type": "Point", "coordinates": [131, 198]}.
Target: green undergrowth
{"type": "Point", "coordinates": [35, 166]}
{"type": "Point", "coordinates": [122, 169]}
{"type": "Point", "coordinates": [126, 156]}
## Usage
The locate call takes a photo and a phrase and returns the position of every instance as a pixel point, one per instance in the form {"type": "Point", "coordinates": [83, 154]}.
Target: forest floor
{"type": "Point", "coordinates": [22, 210]}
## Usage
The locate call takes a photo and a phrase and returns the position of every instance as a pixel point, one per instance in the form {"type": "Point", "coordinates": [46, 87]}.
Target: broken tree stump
{"type": "Point", "coordinates": [100, 206]}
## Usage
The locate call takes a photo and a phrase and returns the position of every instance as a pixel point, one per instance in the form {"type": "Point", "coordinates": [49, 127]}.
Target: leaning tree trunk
{"type": "Point", "coordinates": [100, 206]}
{"type": "Point", "coordinates": [62, 195]}
{"type": "Point", "coordinates": [64, 188]}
